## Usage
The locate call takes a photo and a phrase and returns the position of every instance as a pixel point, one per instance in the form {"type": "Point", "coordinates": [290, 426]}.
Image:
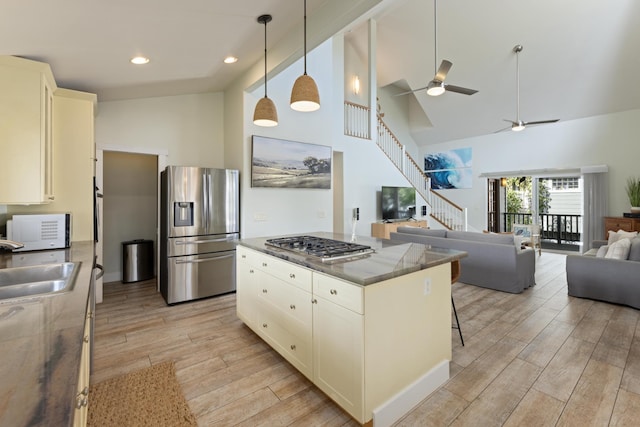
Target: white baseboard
{"type": "Point", "coordinates": [112, 277]}
{"type": "Point", "coordinates": [405, 400]}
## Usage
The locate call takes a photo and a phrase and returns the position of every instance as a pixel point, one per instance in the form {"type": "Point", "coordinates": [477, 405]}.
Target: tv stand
{"type": "Point", "coordinates": [382, 230]}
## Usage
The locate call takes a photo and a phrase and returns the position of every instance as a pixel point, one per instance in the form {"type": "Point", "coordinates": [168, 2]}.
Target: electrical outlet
{"type": "Point", "coordinates": [259, 216]}
{"type": "Point", "coordinates": [427, 286]}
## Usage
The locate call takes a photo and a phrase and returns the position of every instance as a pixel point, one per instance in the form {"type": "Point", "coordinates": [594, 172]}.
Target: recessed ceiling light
{"type": "Point", "coordinates": [139, 60]}
{"type": "Point", "coordinates": [230, 60]}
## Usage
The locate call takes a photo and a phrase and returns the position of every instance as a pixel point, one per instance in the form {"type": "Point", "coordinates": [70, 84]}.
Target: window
{"type": "Point", "coordinates": [564, 183]}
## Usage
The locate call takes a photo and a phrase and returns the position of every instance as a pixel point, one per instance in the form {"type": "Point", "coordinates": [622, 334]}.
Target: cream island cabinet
{"type": "Point", "coordinates": [374, 334]}
{"type": "Point", "coordinates": [26, 123]}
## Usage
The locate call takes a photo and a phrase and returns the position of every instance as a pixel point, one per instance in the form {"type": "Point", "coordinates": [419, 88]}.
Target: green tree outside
{"type": "Point", "coordinates": [519, 191]}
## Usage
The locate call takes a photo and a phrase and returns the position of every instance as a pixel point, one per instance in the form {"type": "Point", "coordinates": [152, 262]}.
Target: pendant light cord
{"type": "Point", "coordinates": [265, 58]}
{"type": "Point", "coordinates": [305, 37]}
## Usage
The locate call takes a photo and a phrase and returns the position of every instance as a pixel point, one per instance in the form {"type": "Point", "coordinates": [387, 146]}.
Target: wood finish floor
{"type": "Point", "coordinates": [540, 358]}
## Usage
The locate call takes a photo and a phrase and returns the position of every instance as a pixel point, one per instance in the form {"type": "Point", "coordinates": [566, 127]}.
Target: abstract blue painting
{"type": "Point", "coordinates": [449, 169]}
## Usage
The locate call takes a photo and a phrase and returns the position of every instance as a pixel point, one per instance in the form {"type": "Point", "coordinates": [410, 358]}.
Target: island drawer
{"type": "Point", "coordinates": [288, 337]}
{"type": "Point", "coordinates": [291, 301]}
{"type": "Point", "coordinates": [339, 292]}
{"type": "Point", "coordinates": [290, 273]}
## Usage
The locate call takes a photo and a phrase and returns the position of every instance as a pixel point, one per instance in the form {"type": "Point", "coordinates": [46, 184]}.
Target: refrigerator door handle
{"type": "Point", "coordinates": [205, 202]}
{"type": "Point", "coordinates": [194, 261]}
{"type": "Point", "coordinates": [188, 242]}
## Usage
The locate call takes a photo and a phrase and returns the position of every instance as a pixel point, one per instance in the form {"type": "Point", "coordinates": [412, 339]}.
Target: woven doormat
{"type": "Point", "coordinates": [148, 397]}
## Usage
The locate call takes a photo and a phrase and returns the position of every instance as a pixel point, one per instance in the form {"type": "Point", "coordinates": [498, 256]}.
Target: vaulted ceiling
{"type": "Point", "coordinates": [579, 59]}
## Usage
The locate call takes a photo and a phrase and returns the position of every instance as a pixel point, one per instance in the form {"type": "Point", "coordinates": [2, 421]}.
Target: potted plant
{"type": "Point", "coordinates": [633, 192]}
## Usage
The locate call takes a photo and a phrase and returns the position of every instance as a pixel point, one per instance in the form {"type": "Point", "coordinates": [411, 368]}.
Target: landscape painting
{"type": "Point", "coordinates": [278, 163]}
{"type": "Point", "coordinates": [449, 169]}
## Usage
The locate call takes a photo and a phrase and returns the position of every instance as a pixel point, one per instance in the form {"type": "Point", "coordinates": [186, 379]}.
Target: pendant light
{"type": "Point", "coordinates": [265, 113]}
{"type": "Point", "coordinates": [304, 96]}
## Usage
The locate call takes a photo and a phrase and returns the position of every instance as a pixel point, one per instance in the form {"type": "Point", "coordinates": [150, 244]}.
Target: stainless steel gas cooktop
{"type": "Point", "coordinates": [320, 247]}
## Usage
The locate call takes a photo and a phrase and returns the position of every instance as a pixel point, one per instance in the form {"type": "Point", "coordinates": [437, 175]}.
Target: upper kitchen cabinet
{"type": "Point", "coordinates": [74, 162]}
{"type": "Point", "coordinates": [26, 131]}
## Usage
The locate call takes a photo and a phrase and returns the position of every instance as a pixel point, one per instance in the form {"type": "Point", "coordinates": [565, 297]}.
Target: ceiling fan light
{"type": "Point", "coordinates": [435, 89]}
{"type": "Point", "coordinates": [517, 127]}
{"type": "Point", "coordinates": [304, 95]}
{"type": "Point", "coordinates": [265, 113]}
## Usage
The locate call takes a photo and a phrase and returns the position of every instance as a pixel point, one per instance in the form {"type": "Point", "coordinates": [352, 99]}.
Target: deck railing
{"type": "Point", "coordinates": [559, 228]}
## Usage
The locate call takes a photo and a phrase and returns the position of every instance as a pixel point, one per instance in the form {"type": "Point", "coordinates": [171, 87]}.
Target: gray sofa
{"type": "Point", "coordinates": [605, 279]}
{"type": "Point", "coordinates": [493, 260]}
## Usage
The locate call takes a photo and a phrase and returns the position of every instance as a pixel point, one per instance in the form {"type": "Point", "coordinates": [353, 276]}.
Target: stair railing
{"type": "Point", "coordinates": [444, 211]}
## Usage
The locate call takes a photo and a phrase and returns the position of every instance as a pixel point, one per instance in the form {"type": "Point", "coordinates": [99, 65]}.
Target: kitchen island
{"type": "Point", "coordinates": [44, 345]}
{"type": "Point", "coordinates": [372, 331]}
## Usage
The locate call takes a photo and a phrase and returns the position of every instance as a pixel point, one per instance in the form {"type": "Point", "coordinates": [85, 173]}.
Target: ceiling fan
{"type": "Point", "coordinates": [518, 124]}
{"type": "Point", "coordinates": [437, 86]}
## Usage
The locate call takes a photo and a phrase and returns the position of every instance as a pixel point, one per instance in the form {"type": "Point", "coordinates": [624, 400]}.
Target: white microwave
{"type": "Point", "coordinates": [38, 232]}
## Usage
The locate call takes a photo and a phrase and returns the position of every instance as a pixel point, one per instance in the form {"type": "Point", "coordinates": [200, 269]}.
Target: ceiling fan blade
{"type": "Point", "coordinates": [459, 89]}
{"type": "Point", "coordinates": [503, 129]}
{"type": "Point", "coordinates": [540, 122]}
{"type": "Point", "coordinates": [411, 91]}
{"type": "Point", "coordinates": [441, 74]}
{"type": "Point", "coordinates": [507, 128]}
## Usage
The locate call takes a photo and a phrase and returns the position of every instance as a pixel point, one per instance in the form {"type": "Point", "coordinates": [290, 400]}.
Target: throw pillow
{"type": "Point", "coordinates": [614, 236]}
{"type": "Point", "coordinates": [634, 252]}
{"type": "Point", "coordinates": [521, 230]}
{"type": "Point", "coordinates": [619, 249]}
{"type": "Point", "coordinates": [602, 251]}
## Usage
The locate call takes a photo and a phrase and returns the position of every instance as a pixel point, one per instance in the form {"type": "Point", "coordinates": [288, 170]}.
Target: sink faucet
{"type": "Point", "coordinates": [10, 244]}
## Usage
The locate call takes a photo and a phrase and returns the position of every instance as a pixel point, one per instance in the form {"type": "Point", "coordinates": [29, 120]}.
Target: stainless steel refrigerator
{"type": "Point", "coordinates": [200, 224]}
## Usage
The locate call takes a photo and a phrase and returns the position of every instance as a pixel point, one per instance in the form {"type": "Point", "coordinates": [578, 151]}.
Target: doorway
{"type": "Point", "coordinates": [553, 202]}
{"type": "Point", "coordinates": [113, 270]}
{"type": "Point", "coordinates": [130, 205]}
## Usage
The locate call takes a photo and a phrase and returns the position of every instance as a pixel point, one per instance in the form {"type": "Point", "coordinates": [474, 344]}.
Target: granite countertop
{"type": "Point", "coordinates": [390, 259]}
{"type": "Point", "coordinates": [41, 343]}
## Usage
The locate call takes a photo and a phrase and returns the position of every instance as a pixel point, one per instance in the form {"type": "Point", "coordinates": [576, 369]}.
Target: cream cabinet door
{"type": "Point", "coordinates": [338, 355]}
{"type": "Point", "coordinates": [82, 396]}
{"type": "Point", "coordinates": [26, 122]}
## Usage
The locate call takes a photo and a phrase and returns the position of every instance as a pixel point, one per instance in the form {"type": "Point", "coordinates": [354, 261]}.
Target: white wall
{"type": "Point", "coordinates": [609, 139]}
{"type": "Point", "coordinates": [275, 211]}
{"type": "Point", "coordinates": [189, 127]}
{"type": "Point", "coordinates": [366, 168]}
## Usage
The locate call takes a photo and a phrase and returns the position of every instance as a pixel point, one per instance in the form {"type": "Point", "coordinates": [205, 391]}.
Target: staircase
{"type": "Point", "coordinates": [441, 209]}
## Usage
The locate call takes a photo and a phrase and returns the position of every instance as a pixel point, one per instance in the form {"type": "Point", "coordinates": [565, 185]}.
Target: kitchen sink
{"type": "Point", "coordinates": [45, 279]}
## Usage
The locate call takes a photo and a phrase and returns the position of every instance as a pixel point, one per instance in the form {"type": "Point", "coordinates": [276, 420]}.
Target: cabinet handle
{"type": "Point", "coordinates": [333, 292]}
{"type": "Point", "coordinates": [264, 325]}
{"type": "Point", "coordinates": [52, 198]}
{"type": "Point", "coordinates": [264, 291]}
{"type": "Point", "coordinates": [292, 307]}
{"type": "Point", "coordinates": [244, 256]}
{"type": "Point", "coordinates": [293, 347]}
{"type": "Point", "coordinates": [86, 338]}
{"type": "Point", "coordinates": [264, 264]}
{"type": "Point", "coordinates": [81, 402]}
{"type": "Point", "coordinates": [292, 276]}
{"type": "Point", "coordinates": [314, 301]}
{"type": "Point", "coordinates": [251, 271]}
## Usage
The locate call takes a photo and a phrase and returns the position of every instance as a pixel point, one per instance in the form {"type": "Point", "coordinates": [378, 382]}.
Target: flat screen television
{"type": "Point", "coordinates": [398, 203]}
